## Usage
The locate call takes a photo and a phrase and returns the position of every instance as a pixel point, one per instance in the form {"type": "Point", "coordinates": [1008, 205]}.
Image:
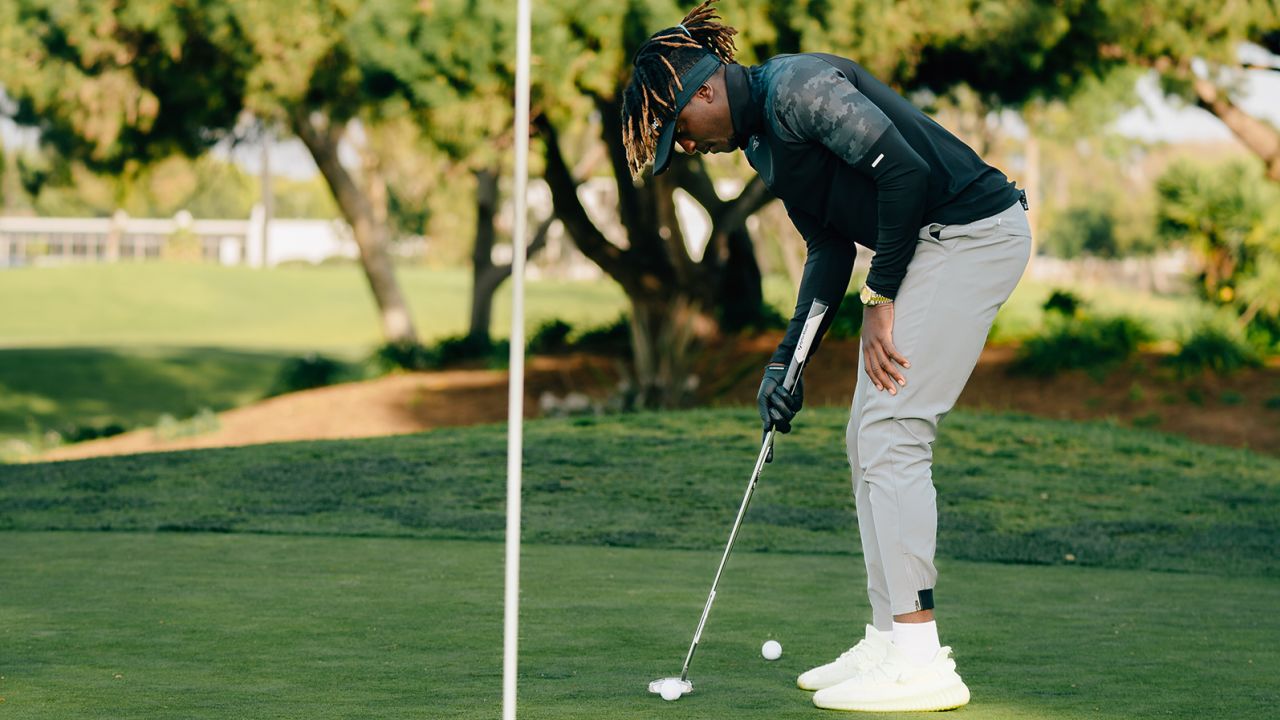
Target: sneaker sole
{"type": "Point", "coordinates": [948, 698]}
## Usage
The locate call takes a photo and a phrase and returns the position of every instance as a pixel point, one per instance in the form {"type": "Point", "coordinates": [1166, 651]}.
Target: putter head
{"type": "Point", "coordinates": [686, 687]}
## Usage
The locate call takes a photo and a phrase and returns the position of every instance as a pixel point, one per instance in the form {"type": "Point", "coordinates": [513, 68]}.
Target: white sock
{"type": "Point", "coordinates": [918, 641]}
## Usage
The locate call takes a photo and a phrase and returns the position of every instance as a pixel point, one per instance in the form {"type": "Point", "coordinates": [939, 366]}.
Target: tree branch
{"type": "Point", "coordinates": [564, 198]}
{"type": "Point", "coordinates": [1259, 136]}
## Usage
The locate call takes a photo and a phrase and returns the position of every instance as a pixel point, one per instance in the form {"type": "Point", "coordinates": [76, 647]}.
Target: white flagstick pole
{"type": "Point", "coordinates": [515, 400]}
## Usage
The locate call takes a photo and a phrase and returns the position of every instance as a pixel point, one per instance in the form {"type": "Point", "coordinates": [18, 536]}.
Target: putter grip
{"type": "Point", "coordinates": [811, 324]}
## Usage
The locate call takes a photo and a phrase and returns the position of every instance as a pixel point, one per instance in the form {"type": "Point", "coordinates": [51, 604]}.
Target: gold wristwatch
{"type": "Point", "coordinates": [871, 298]}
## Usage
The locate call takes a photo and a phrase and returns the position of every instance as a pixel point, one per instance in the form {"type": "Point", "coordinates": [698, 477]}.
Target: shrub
{"type": "Point", "coordinates": [75, 433]}
{"type": "Point", "coordinates": [768, 319]}
{"type": "Point", "coordinates": [306, 372]}
{"type": "Point", "coordinates": [551, 337]}
{"type": "Point", "coordinates": [614, 338]}
{"type": "Point", "coordinates": [403, 356]}
{"type": "Point", "coordinates": [1215, 348]}
{"type": "Point", "coordinates": [466, 348]}
{"type": "Point", "coordinates": [848, 320]}
{"type": "Point", "coordinates": [1064, 303]}
{"type": "Point", "coordinates": [1081, 342]}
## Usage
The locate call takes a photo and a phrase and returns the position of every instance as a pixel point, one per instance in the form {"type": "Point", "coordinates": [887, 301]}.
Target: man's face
{"type": "Point", "coordinates": [704, 125]}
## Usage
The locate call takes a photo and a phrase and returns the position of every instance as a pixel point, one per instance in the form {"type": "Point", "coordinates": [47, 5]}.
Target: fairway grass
{"type": "Point", "coordinates": [168, 625]}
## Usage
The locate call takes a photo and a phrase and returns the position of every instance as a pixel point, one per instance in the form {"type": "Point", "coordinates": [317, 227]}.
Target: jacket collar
{"type": "Point", "coordinates": [745, 103]}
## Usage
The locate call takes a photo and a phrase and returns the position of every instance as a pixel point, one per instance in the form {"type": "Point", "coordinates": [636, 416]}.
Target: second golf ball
{"type": "Point", "coordinates": [771, 650]}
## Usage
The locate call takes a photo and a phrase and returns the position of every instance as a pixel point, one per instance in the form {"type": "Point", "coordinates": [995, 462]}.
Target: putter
{"type": "Point", "coordinates": [811, 324]}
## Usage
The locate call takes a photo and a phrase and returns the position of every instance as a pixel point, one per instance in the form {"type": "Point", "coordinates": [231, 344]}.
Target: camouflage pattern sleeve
{"type": "Point", "coordinates": [817, 103]}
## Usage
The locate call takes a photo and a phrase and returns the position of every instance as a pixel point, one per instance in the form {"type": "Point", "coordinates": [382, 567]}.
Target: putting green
{"type": "Point", "coordinates": [172, 625]}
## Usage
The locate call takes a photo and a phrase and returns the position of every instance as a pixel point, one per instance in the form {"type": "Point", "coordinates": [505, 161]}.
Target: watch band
{"type": "Point", "coordinates": [870, 297]}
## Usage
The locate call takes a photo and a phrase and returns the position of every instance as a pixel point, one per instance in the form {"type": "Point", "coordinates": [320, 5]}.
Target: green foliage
{"type": "Point", "coordinates": [1080, 342]}
{"type": "Point", "coordinates": [80, 433]}
{"type": "Point", "coordinates": [302, 199]}
{"type": "Point", "coordinates": [768, 318]}
{"type": "Point", "coordinates": [391, 357]}
{"type": "Point", "coordinates": [847, 322]}
{"type": "Point", "coordinates": [614, 337]}
{"type": "Point", "coordinates": [447, 352]}
{"type": "Point", "coordinates": [1216, 347]}
{"type": "Point", "coordinates": [550, 337]}
{"type": "Point", "coordinates": [308, 371]}
{"type": "Point", "coordinates": [462, 349]}
{"type": "Point", "coordinates": [1063, 303]}
{"type": "Point", "coordinates": [1082, 230]}
{"type": "Point", "coordinates": [1223, 213]}
{"type": "Point", "coordinates": [169, 427]}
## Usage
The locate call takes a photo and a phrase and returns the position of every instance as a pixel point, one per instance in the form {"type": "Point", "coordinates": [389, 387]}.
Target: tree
{"type": "Point", "coordinates": [1222, 213]}
{"type": "Point", "coordinates": [120, 85]}
{"type": "Point", "coordinates": [676, 301]}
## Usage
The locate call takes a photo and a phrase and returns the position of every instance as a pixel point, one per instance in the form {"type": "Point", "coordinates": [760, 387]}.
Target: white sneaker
{"type": "Point", "coordinates": [898, 685]}
{"type": "Point", "coordinates": [861, 657]}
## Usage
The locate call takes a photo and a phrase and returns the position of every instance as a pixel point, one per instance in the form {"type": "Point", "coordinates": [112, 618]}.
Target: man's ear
{"type": "Point", "coordinates": [706, 93]}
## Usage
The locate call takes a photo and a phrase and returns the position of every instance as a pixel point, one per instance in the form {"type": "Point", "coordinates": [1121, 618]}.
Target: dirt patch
{"type": "Point", "coordinates": [393, 405]}
{"type": "Point", "coordinates": [1241, 410]}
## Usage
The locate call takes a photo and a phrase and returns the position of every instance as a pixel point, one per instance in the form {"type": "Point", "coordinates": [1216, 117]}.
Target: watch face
{"type": "Point", "coordinates": [865, 294]}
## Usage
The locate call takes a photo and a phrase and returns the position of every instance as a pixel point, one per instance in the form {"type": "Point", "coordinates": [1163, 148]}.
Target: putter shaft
{"type": "Point", "coordinates": [765, 449]}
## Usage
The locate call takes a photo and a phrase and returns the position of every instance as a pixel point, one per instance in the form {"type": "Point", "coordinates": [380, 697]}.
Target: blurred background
{"type": "Point", "coordinates": [228, 222]}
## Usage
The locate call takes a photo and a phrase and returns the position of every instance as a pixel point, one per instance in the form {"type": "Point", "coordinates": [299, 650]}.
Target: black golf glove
{"type": "Point", "coordinates": [777, 406]}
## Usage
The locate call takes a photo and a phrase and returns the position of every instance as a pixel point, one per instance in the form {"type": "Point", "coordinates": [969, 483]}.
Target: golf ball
{"type": "Point", "coordinates": [671, 690]}
{"type": "Point", "coordinates": [771, 650]}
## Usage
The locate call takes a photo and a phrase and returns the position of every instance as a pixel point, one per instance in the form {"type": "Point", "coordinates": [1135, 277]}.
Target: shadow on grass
{"type": "Point", "coordinates": [78, 389]}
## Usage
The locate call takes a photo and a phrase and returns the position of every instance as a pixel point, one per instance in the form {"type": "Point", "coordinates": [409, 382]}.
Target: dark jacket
{"type": "Point", "coordinates": [854, 163]}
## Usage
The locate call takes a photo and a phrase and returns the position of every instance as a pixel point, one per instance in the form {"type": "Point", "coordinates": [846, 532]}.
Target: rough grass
{"type": "Point", "coordinates": [1010, 489]}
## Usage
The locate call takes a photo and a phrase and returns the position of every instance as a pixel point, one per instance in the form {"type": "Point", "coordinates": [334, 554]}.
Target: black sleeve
{"type": "Point", "coordinates": [827, 269]}
{"type": "Point", "coordinates": [816, 103]}
{"type": "Point", "coordinates": [901, 177]}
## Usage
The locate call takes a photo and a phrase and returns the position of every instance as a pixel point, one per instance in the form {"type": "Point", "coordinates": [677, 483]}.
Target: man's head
{"type": "Point", "coordinates": [677, 92]}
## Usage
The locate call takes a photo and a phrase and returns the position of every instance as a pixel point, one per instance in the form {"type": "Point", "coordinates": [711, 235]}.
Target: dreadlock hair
{"type": "Point", "coordinates": [649, 102]}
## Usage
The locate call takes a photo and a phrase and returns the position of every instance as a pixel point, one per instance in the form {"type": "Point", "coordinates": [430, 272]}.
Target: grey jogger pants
{"type": "Point", "coordinates": [957, 280]}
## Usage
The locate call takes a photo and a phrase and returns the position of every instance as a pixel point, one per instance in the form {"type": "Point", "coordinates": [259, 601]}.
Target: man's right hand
{"type": "Point", "coordinates": [777, 406]}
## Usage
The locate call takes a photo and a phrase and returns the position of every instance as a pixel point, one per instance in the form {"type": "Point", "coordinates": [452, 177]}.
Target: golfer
{"type": "Point", "coordinates": [856, 164]}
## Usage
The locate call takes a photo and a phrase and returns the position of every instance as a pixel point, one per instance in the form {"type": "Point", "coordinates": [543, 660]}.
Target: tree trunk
{"type": "Point", "coordinates": [676, 303]}
{"type": "Point", "coordinates": [664, 332]}
{"type": "Point", "coordinates": [365, 211]}
{"type": "Point", "coordinates": [485, 280]}
{"type": "Point", "coordinates": [486, 276]}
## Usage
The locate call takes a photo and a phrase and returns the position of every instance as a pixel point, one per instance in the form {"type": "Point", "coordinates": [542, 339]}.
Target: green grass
{"type": "Point", "coordinates": [329, 308]}
{"type": "Point", "coordinates": [159, 626]}
{"type": "Point", "coordinates": [97, 345]}
{"type": "Point", "coordinates": [364, 578]}
{"type": "Point", "coordinates": [42, 389]}
{"type": "Point", "coordinates": [1011, 489]}
{"type": "Point", "coordinates": [325, 308]}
